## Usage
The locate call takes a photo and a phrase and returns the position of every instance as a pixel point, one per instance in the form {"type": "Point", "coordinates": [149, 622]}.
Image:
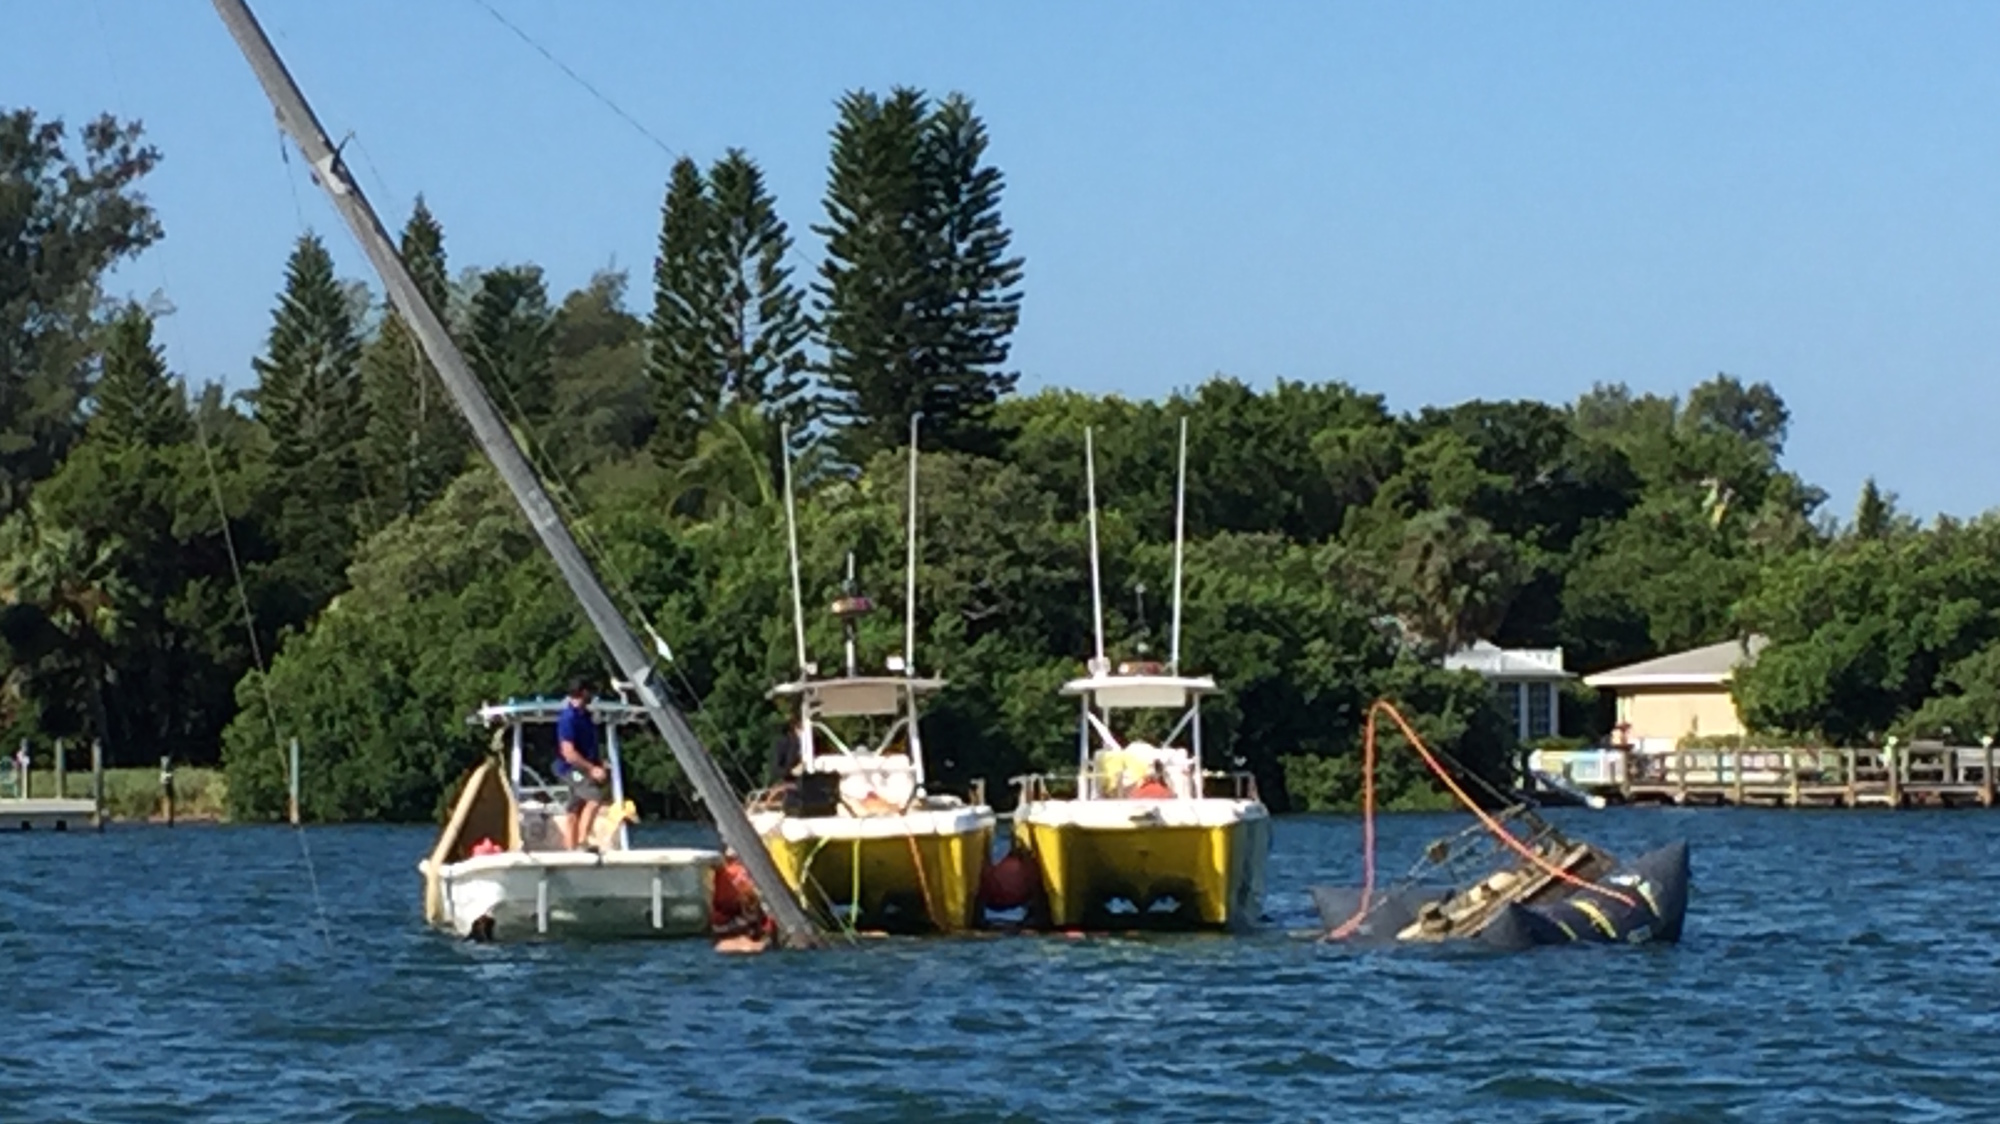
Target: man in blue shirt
{"type": "Point", "coordinates": [577, 763]}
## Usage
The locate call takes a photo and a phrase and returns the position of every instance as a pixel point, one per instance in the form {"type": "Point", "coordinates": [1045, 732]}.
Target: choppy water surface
{"type": "Point", "coordinates": [1837, 966]}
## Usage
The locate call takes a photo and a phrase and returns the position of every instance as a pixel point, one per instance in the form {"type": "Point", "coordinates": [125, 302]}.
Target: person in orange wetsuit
{"type": "Point", "coordinates": [736, 917]}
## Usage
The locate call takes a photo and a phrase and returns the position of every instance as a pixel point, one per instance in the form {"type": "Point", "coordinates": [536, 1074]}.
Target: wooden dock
{"type": "Point", "coordinates": [1886, 777]}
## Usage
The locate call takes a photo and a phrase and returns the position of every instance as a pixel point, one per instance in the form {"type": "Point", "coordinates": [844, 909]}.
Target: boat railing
{"type": "Point", "coordinates": [773, 797]}
{"type": "Point", "coordinates": [1034, 788]}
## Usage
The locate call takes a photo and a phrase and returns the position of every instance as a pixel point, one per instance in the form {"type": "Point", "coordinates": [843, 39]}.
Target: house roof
{"type": "Point", "coordinates": [1711, 666]}
{"type": "Point", "coordinates": [1495, 662]}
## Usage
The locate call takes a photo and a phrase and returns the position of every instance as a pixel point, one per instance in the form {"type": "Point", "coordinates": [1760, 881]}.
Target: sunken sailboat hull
{"type": "Point", "coordinates": [1643, 901]}
{"type": "Point", "coordinates": [1650, 906]}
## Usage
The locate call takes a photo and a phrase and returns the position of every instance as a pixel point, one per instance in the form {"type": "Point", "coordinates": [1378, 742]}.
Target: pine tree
{"type": "Point", "coordinates": [416, 440]}
{"type": "Point", "coordinates": [309, 401]}
{"type": "Point", "coordinates": [729, 325]}
{"type": "Point", "coordinates": [1874, 513]}
{"type": "Point", "coordinates": [511, 341]}
{"type": "Point", "coordinates": [917, 296]}
{"type": "Point", "coordinates": [680, 358]}
{"type": "Point", "coordinates": [763, 328]}
{"type": "Point", "coordinates": [982, 297]}
{"type": "Point", "coordinates": [137, 402]}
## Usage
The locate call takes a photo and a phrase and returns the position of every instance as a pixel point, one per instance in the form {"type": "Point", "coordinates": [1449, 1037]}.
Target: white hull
{"type": "Point", "coordinates": [658, 892]}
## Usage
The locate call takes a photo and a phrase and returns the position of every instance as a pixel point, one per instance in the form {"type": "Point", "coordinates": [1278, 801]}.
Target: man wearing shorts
{"type": "Point", "coordinates": [577, 763]}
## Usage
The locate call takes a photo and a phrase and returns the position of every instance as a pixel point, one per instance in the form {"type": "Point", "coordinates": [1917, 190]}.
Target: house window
{"type": "Point", "coordinates": [1541, 710]}
{"type": "Point", "coordinates": [1510, 704]}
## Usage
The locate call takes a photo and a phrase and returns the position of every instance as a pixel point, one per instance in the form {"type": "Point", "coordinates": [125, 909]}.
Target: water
{"type": "Point", "coordinates": [1837, 965]}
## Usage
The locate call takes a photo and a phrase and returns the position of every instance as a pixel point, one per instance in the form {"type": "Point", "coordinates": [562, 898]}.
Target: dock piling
{"type": "Point", "coordinates": [292, 774]}
{"type": "Point", "coordinates": [97, 783]}
{"type": "Point", "coordinates": [62, 790]}
{"type": "Point", "coordinates": [167, 788]}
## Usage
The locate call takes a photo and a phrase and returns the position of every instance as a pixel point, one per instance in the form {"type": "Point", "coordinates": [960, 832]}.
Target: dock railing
{"type": "Point", "coordinates": [24, 808]}
{"type": "Point", "coordinates": [1891, 775]}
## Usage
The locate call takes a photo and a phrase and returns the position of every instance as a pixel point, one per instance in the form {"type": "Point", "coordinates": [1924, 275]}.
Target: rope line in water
{"type": "Point", "coordinates": [215, 486]}
{"type": "Point", "coordinates": [1498, 830]}
{"type": "Point", "coordinates": [263, 674]}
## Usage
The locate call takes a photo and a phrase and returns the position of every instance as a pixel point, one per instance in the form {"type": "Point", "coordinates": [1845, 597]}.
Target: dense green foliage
{"type": "Point", "coordinates": [158, 542]}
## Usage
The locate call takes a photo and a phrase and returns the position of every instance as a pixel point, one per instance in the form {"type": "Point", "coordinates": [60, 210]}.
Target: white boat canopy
{"type": "Point", "coordinates": [539, 710]}
{"type": "Point", "coordinates": [1142, 692]}
{"type": "Point", "coordinates": [857, 694]}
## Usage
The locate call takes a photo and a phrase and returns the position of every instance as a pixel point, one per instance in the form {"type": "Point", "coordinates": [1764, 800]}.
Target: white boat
{"type": "Point", "coordinates": [499, 870]}
{"type": "Point", "coordinates": [859, 832]}
{"type": "Point", "coordinates": [1134, 839]}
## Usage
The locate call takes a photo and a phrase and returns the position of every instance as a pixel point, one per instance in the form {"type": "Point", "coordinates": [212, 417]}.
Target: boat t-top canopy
{"type": "Point", "coordinates": [857, 694]}
{"type": "Point", "coordinates": [1141, 692]}
{"type": "Point", "coordinates": [514, 716]}
{"type": "Point", "coordinates": [546, 710]}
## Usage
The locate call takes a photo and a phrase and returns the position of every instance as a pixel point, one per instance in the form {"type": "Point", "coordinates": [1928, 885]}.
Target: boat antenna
{"type": "Point", "coordinates": [910, 562]}
{"type": "Point", "coordinates": [849, 607]}
{"type": "Point", "coordinates": [792, 549]}
{"type": "Point", "coordinates": [1142, 641]}
{"type": "Point", "coordinates": [1098, 666]}
{"type": "Point", "coordinates": [1180, 534]}
{"type": "Point", "coordinates": [295, 117]}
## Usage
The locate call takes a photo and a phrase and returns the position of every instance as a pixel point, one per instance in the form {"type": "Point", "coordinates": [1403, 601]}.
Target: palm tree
{"type": "Point", "coordinates": [737, 465]}
{"type": "Point", "coordinates": [64, 595]}
{"type": "Point", "coordinates": [1457, 578]}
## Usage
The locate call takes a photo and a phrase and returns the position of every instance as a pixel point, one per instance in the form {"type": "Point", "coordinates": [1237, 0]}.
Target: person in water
{"type": "Point", "coordinates": [577, 763]}
{"type": "Point", "coordinates": [736, 916]}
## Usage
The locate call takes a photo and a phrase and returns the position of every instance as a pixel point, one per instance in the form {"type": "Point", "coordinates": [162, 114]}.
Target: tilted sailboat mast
{"type": "Point", "coordinates": [295, 116]}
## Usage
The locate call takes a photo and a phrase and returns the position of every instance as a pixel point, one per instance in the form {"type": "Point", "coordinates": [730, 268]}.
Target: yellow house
{"type": "Point", "coordinates": [1686, 694]}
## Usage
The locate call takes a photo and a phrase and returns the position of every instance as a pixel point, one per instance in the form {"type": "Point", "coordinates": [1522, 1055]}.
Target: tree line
{"type": "Point", "coordinates": [159, 541]}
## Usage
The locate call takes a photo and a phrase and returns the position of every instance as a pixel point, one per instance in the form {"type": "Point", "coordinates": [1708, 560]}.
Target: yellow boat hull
{"type": "Point", "coordinates": [888, 882]}
{"type": "Point", "coordinates": [1154, 876]}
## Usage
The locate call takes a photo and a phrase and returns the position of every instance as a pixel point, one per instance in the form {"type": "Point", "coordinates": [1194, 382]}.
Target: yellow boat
{"type": "Point", "coordinates": [1135, 839]}
{"type": "Point", "coordinates": [856, 830]}
{"type": "Point", "coordinates": [857, 833]}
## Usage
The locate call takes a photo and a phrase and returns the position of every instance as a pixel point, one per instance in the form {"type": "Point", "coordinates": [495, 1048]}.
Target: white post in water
{"type": "Point", "coordinates": [61, 790]}
{"type": "Point", "coordinates": [292, 783]}
{"type": "Point", "coordinates": [97, 783]}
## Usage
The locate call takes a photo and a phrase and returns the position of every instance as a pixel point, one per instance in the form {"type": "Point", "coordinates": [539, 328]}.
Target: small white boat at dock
{"type": "Point", "coordinates": [499, 870]}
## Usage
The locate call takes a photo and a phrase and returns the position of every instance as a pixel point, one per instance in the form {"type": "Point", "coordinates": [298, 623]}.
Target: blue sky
{"type": "Point", "coordinates": [1434, 201]}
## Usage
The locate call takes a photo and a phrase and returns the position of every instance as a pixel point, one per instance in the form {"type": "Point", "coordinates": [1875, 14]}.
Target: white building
{"type": "Point", "coordinates": [1524, 680]}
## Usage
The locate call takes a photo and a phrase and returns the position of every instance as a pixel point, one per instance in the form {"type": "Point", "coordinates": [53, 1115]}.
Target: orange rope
{"type": "Point", "coordinates": [923, 880]}
{"type": "Point", "coordinates": [1346, 928]}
